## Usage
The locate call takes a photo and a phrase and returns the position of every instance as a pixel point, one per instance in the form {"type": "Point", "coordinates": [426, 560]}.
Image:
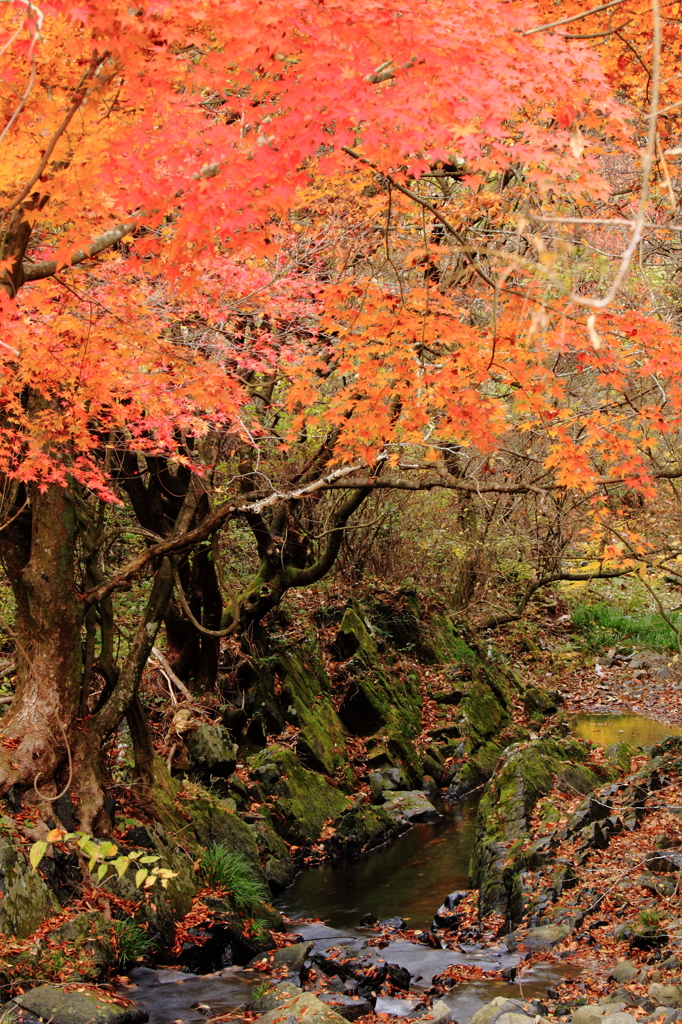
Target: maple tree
{"type": "Point", "coordinates": [242, 252]}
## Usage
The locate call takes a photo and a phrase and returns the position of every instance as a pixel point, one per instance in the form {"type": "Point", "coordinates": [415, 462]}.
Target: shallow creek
{"type": "Point", "coordinates": [409, 879]}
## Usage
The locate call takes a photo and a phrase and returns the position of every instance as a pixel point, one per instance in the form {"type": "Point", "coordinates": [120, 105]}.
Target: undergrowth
{"type": "Point", "coordinates": [223, 869]}
{"type": "Point", "coordinates": [603, 625]}
{"type": "Point", "coordinates": [132, 942]}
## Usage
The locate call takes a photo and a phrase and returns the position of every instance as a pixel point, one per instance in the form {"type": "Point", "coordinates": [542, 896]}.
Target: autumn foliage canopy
{"type": "Point", "coordinates": [262, 180]}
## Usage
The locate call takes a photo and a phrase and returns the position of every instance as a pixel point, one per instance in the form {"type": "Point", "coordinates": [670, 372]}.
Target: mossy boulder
{"type": "Point", "coordinates": [306, 695]}
{"type": "Point", "coordinates": [362, 828]}
{"type": "Point", "coordinates": [301, 800]}
{"type": "Point", "coordinates": [210, 753]}
{"type": "Point", "coordinates": [202, 818]}
{"type": "Point", "coordinates": [443, 643]}
{"type": "Point", "coordinates": [539, 703]}
{"type": "Point", "coordinates": [90, 933]}
{"type": "Point", "coordinates": [168, 906]}
{"type": "Point", "coordinates": [26, 900]}
{"type": "Point", "coordinates": [379, 702]}
{"type": "Point", "coordinates": [62, 1005]}
{"type": "Point", "coordinates": [210, 821]}
{"type": "Point", "coordinates": [620, 754]}
{"type": "Point", "coordinates": [278, 866]}
{"type": "Point", "coordinates": [527, 773]}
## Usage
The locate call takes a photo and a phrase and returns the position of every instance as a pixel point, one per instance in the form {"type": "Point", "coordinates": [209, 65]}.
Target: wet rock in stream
{"type": "Point", "coordinates": [65, 1006]}
{"type": "Point", "coordinates": [413, 805]}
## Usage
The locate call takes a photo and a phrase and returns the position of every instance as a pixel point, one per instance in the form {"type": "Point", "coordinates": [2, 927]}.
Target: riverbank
{"type": "Point", "coordinates": [318, 796]}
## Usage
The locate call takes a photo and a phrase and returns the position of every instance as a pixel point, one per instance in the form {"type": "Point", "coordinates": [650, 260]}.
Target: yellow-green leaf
{"type": "Point", "coordinates": [101, 871]}
{"type": "Point", "coordinates": [149, 860]}
{"type": "Point", "coordinates": [140, 876]}
{"type": "Point", "coordinates": [38, 851]}
{"type": "Point", "coordinates": [121, 864]}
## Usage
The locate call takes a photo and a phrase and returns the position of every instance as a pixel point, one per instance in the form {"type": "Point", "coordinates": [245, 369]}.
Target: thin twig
{"type": "Point", "coordinates": [573, 17]}
{"type": "Point", "coordinates": [170, 674]}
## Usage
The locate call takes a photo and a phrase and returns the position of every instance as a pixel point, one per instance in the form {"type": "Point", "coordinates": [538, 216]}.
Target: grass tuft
{"type": "Point", "coordinates": [604, 625]}
{"type": "Point", "coordinates": [132, 942]}
{"type": "Point", "coordinates": [222, 868]}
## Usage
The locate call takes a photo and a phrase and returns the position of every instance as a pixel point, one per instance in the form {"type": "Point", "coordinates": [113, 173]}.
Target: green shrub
{"type": "Point", "coordinates": [132, 942]}
{"type": "Point", "coordinates": [650, 919]}
{"type": "Point", "coordinates": [221, 868]}
{"type": "Point", "coordinates": [604, 625]}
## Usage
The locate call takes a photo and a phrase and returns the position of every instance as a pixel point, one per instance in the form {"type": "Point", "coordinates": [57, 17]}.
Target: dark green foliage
{"type": "Point", "coordinates": [132, 942]}
{"type": "Point", "coordinates": [221, 868]}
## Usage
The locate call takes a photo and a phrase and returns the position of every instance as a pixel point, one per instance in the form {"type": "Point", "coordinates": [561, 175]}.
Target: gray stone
{"type": "Point", "coordinates": [664, 861]}
{"type": "Point", "coordinates": [514, 1018]}
{"type": "Point", "coordinates": [209, 752]}
{"type": "Point", "coordinates": [347, 1006]}
{"type": "Point", "coordinates": [26, 900]}
{"type": "Point", "coordinates": [52, 1003]}
{"type": "Point", "coordinates": [618, 1018]}
{"type": "Point", "coordinates": [546, 936]}
{"type": "Point", "coordinates": [624, 972]}
{"type": "Point", "coordinates": [410, 804]}
{"type": "Point", "coordinates": [292, 957]}
{"type": "Point", "coordinates": [491, 1012]}
{"type": "Point", "coordinates": [440, 1013]}
{"type": "Point", "coordinates": [588, 1015]}
{"type": "Point", "coordinates": [377, 785]}
{"type": "Point", "coordinates": [275, 997]}
{"type": "Point", "coordinates": [665, 995]}
{"type": "Point", "coordinates": [300, 1007]}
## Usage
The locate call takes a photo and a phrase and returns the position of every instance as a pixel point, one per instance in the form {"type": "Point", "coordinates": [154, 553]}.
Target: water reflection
{"type": "Point", "coordinates": [408, 878]}
{"type": "Point", "coordinates": [636, 730]}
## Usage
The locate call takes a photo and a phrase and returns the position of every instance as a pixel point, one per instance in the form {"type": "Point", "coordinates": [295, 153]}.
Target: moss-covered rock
{"type": "Point", "coordinates": [306, 693]}
{"type": "Point", "coordinates": [378, 701]}
{"type": "Point", "coordinates": [539, 703]}
{"type": "Point", "coordinates": [210, 753]}
{"type": "Point", "coordinates": [161, 915]}
{"type": "Point", "coordinates": [278, 866]}
{"type": "Point", "coordinates": [79, 1006]}
{"type": "Point", "coordinates": [210, 821]}
{"type": "Point", "coordinates": [26, 900]}
{"type": "Point", "coordinates": [620, 755]}
{"type": "Point", "coordinates": [90, 933]}
{"type": "Point", "coordinates": [303, 800]}
{"type": "Point", "coordinates": [202, 818]}
{"type": "Point", "coordinates": [527, 773]}
{"type": "Point", "coordinates": [362, 828]}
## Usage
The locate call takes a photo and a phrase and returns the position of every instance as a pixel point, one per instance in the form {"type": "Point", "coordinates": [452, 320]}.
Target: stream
{"type": "Point", "coordinates": [408, 878]}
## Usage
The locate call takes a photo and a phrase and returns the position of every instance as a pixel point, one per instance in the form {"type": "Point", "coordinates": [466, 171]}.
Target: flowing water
{"type": "Point", "coordinates": [407, 879]}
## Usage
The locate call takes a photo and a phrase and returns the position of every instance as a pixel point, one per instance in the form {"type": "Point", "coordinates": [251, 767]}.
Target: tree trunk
{"type": "Point", "coordinates": [41, 720]}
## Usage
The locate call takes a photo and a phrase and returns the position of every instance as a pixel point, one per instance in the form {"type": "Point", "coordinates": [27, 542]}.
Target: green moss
{"type": "Point", "coordinates": [303, 800]}
{"type": "Point", "coordinates": [483, 714]}
{"type": "Point", "coordinates": [380, 702]}
{"type": "Point", "coordinates": [306, 691]}
{"type": "Point", "coordinates": [26, 900]}
{"type": "Point", "coordinates": [527, 774]}
{"type": "Point", "coordinates": [362, 828]}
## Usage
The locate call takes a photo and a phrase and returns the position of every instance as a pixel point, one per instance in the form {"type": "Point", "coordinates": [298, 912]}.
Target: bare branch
{"type": "Point", "coordinates": [573, 17]}
{"type": "Point", "coordinates": [46, 268]}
